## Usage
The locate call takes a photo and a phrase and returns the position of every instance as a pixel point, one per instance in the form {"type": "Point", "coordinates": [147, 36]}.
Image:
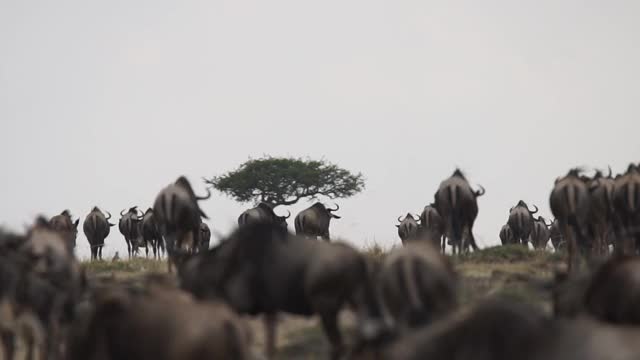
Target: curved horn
{"type": "Point", "coordinates": [481, 191]}
{"type": "Point", "coordinates": [399, 218]}
{"type": "Point", "coordinates": [204, 197]}
{"type": "Point", "coordinates": [336, 209]}
{"type": "Point", "coordinates": [288, 215]}
{"type": "Point", "coordinates": [533, 212]}
{"type": "Point", "coordinates": [108, 217]}
{"type": "Point", "coordinates": [123, 212]}
{"type": "Point", "coordinates": [549, 224]}
{"type": "Point", "coordinates": [610, 172]}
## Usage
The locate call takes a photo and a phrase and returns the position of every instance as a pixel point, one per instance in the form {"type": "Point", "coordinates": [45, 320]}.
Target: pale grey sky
{"type": "Point", "coordinates": [104, 103]}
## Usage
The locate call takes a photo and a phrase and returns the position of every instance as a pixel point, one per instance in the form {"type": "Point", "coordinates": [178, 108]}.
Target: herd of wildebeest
{"type": "Point", "coordinates": [406, 303]}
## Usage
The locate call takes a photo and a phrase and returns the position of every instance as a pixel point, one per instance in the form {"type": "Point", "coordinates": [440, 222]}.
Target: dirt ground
{"type": "Point", "coordinates": [509, 272]}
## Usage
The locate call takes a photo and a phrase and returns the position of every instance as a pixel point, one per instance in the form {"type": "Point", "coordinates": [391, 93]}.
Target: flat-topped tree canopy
{"type": "Point", "coordinates": [285, 181]}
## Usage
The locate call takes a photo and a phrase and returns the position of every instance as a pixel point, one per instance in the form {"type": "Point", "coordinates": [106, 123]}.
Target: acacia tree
{"type": "Point", "coordinates": [285, 181]}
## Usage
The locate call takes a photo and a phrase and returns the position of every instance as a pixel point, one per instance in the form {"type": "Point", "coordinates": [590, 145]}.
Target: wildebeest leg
{"type": "Point", "coordinates": [100, 251]}
{"type": "Point", "coordinates": [128, 247]}
{"type": "Point", "coordinates": [8, 339]}
{"type": "Point", "coordinates": [270, 338]}
{"type": "Point", "coordinates": [330, 325]}
{"type": "Point", "coordinates": [443, 244]}
{"type": "Point", "coordinates": [571, 247]}
{"type": "Point", "coordinates": [146, 249]}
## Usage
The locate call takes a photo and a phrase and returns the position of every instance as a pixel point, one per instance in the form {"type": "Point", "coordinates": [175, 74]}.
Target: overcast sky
{"type": "Point", "coordinates": [104, 103]}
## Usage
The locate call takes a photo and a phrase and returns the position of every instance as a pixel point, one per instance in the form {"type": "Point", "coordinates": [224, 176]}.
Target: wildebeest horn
{"type": "Point", "coordinates": [336, 209]}
{"type": "Point", "coordinates": [481, 191]}
{"type": "Point", "coordinates": [123, 212]}
{"type": "Point", "coordinates": [108, 217]}
{"type": "Point", "coordinates": [399, 218]}
{"type": "Point", "coordinates": [533, 212]}
{"type": "Point", "coordinates": [549, 224]}
{"type": "Point", "coordinates": [610, 172]}
{"type": "Point", "coordinates": [204, 197]}
{"type": "Point", "coordinates": [288, 215]}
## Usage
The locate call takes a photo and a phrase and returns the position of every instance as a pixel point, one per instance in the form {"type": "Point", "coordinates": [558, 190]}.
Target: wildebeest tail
{"type": "Point", "coordinates": [454, 197]}
{"type": "Point", "coordinates": [298, 224]}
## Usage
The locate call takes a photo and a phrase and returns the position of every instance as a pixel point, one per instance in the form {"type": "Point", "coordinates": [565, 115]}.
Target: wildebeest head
{"type": "Point", "coordinates": [263, 213]}
{"type": "Point", "coordinates": [408, 228]}
{"type": "Point", "coordinates": [67, 228]}
{"type": "Point", "coordinates": [47, 249]}
{"type": "Point", "coordinates": [179, 215]}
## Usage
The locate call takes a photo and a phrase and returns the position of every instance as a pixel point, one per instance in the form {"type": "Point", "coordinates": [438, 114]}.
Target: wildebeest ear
{"type": "Point", "coordinates": [75, 224]}
{"type": "Point", "coordinates": [110, 224]}
{"type": "Point", "coordinates": [335, 216]}
{"type": "Point", "coordinates": [397, 226]}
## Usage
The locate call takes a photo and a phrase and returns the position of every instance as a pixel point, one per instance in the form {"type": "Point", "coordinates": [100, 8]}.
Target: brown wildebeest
{"type": "Point", "coordinates": [314, 221]}
{"type": "Point", "coordinates": [521, 221]}
{"type": "Point", "coordinates": [408, 228]}
{"type": "Point", "coordinates": [205, 237]}
{"type": "Point", "coordinates": [96, 228]}
{"type": "Point", "coordinates": [179, 217]}
{"type": "Point", "coordinates": [570, 202]}
{"type": "Point", "coordinates": [432, 225]}
{"type": "Point", "coordinates": [129, 228]}
{"type": "Point", "coordinates": [150, 233]}
{"type": "Point", "coordinates": [557, 240]}
{"type": "Point", "coordinates": [51, 282]}
{"type": "Point", "coordinates": [162, 325]}
{"type": "Point", "coordinates": [601, 211]}
{"type": "Point", "coordinates": [540, 233]}
{"type": "Point", "coordinates": [263, 213]}
{"type": "Point", "coordinates": [457, 203]}
{"type": "Point", "coordinates": [262, 269]}
{"type": "Point", "coordinates": [506, 235]}
{"type": "Point", "coordinates": [67, 228]}
{"type": "Point", "coordinates": [626, 203]}
{"type": "Point", "coordinates": [417, 284]}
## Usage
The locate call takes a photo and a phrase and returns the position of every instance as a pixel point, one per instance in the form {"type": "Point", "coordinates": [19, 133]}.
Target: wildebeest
{"type": "Point", "coordinates": [205, 237]}
{"type": "Point", "coordinates": [179, 216]}
{"type": "Point", "coordinates": [262, 269]}
{"type": "Point", "coordinates": [601, 214]}
{"type": "Point", "coordinates": [506, 235]}
{"type": "Point", "coordinates": [521, 221]}
{"type": "Point", "coordinates": [457, 203]}
{"type": "Point", "coordinates": [570, 201]}
{"type": "Point", "coordinates": [164, 324]}
{"type": "Point", "coordinates": [408, 228]}
{"type": "Point", "coordinates": [432, 225]}
{"type": "Point", "coordinates": [314, 221]}
{"type": "Point", "coordinates": [626, 202]}
{"type": "Point", "coordinates": [130, 229]}
{"type": "Point", "coordinates": [263, 213]}
{"type": "Point", "coordinates": [556, 236]}
{"type": "Point", "coordinates": [67, 228]}
{"type": "Point", "coordinates": [540, 233]}
{"type": "Point", "coordinates": [417, 284]}
{"type": "Point", "coordinates": [150, 233]}
{"type": "Point", "coordinates": [96, 228]}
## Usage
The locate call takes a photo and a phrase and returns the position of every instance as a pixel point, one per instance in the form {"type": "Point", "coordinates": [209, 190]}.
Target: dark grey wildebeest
{"type": "Point", "coordinates": [521, 221]}
{"type": "Point", "coordinates": [457, 203]}
{"type": "Point", "coordinates": [408, 228]}
{"type": "Point", "coordinates": [262, 214]}
{"type": "Point", "coordinates": [179, 217]}
{"type": "Point", "coordinates": [262, 269]}
{"type": "Point", "coordinates": [601, 214]}
{"type": "Point", "coordinates": [418, 284]}
{"type": "Point", "coordinates": [205, 237]}
{"type": "Point", "coordinates": [540, 233]}
{"type": "Point", "coordinates": [570, 203]}
{"type": "Point", "coordinates": [626, 202]}
{"type": "Point", "coordinates": [432, 226]}
{"type": "Point", "coordinates": [67, 228]}
{"type": "Point", "coordinates": [96, 228]}
{"type": "Point", "coordinates": [150, 233]}
{"type": "Point", "coordinates": [129, 228]}
{"type": "Point", "coordinates": [314, 221]}
{"type": "Point", "coordinates": [556, 236]}
{"type": "Point", "coordinates": [506, 235]}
